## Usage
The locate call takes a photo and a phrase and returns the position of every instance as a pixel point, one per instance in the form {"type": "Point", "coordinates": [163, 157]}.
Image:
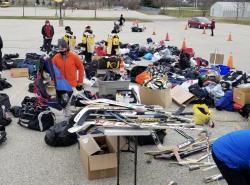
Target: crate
{"type": "Point", "coordinates": [110, 87]}
{"type": "Point", "coordinates": [19, 72]}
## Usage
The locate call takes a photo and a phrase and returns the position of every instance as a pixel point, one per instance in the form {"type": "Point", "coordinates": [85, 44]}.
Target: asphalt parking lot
{"type": "Point", "coordinates": [26, 160]}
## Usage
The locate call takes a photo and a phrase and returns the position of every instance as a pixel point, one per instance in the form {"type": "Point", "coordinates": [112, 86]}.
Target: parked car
{"type": "Point", "coordinates": [118, 8]}
{"type": "Point", "coordinates": [5, 4]}
{"type": "Point", "coordinates": [138, 28]}
{"type": "Point", "coordinates": [199, 22]}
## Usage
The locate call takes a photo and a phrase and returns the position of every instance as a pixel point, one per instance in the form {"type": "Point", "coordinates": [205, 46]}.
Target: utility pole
{"type": "Point", "coordinates": [64, 8]}
{"type": "Point", "coordinates": [95, 10]}
{"type": "Point", "coordinates": [23, 8]}
{"type": "Point", "coordinates": [60, 12]}
{"type": "Point", "coordinates": [60, 9]}
{"type": "Point", "coordinates": [56, 10]}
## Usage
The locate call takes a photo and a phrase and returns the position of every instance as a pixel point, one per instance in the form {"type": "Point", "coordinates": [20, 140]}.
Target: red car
{"type": "Point", "coordinates": [199, 22]}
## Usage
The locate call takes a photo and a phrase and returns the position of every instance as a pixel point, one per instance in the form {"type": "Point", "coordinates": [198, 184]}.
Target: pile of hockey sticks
{"type": "Point", "coordinates": [108, 113]}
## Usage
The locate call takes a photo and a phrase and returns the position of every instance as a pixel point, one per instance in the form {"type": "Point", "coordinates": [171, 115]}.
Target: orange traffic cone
{"type": "Point", "coordinates": [204, 30]}
{"type": "Point", "coordinates": [229, 37]}
{"type": "Point", "coordinates": [186, 27]}
{"type": "Point", "coordinates": [167, 38]}
{"type": "Point", "coordinates": [230, 61]}
{"type": "Point", "coordinates": [184, 46]}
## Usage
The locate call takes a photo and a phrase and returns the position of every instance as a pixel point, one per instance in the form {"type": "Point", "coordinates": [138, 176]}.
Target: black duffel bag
{"type": "Point", "coordinates": [106, 63]}
{"type": "Point", "coordinates": [58, 135]}
{"type": "Point", "coordinates": [5, 100]}
{"type": "Point", "coordinates": [36, 118]}
{"type": "Point", "coordinates": [245, 111]}
{"type": "Point", "coordinates": [31, 88]}
{"type": "Point", "coordinates": [2, 134]}
{"type": "Point", "coordinates": [4, 117]}
{"type": "Point", "coordinates": [148, 140]}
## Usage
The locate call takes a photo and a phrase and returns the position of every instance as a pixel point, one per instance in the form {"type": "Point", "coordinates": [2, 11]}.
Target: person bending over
{"type": "Point", "coordinates": [231, 154]}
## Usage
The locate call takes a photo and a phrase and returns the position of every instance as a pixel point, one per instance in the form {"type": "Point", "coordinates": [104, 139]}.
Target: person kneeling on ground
{"type": "Point", "coordinates": [231, 154]}
{"type": "Point", "coordinates": [71, 68]}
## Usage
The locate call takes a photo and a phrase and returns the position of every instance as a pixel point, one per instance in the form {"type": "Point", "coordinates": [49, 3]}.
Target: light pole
{"type": "Point", "coordinates": [56, 10]}
{"type": "Point", "coordinates": [95, 9]}
{"type": "Point", "coordinates": [35, 8]}
{"type": "Point", "coordinates": [64, 9]}
{"type": "Point", "coordinates": [60, 12]}
{"type": "Point", "coordinates": [23, 9]}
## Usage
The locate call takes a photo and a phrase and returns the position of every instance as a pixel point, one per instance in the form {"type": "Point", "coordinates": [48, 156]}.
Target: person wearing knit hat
{"type": "Point", "coordinates": [48, 33]}
{"type": "Point", "coordinates": [70, 38]}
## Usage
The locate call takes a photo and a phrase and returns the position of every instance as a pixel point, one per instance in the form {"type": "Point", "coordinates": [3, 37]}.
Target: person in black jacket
{"type": "Point", "coordinates": [212, 27]}
{"type": "Point", "coordinates": [48, 33]}
{"type": "Point", "coordinates": [121, 20]}
{"type": "Point", "coordinates": [1, 62]}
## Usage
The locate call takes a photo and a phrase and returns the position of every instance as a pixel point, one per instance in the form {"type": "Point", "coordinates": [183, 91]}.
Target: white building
{"type": "Point", "coordinates": [230, 9]}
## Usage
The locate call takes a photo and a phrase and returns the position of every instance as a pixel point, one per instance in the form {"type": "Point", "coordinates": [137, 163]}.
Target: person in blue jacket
{"type": "Point", "coordinates": [231, 154]}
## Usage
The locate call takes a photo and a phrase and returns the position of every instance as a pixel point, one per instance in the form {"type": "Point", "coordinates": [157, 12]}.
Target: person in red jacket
{"type": "Point", "coordinates": [48, 33]}
{"type": "Point", "coordinates": [72, 69]}
{"type": "Point", "coordinates": [212, 27]}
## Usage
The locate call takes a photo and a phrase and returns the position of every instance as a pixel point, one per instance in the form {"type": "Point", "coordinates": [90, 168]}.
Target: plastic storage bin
{"type": "Point", "coordinates": [110, 87]}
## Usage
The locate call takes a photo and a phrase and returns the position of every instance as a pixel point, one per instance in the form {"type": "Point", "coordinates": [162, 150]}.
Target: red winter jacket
{"type": "Point", "coordinates": [213, 24]}
{"type": "Point", "coordinates": [48, 31]}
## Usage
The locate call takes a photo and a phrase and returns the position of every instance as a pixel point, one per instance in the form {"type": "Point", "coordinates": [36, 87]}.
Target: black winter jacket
{"type": "Point", "coordinates": [1, 43]}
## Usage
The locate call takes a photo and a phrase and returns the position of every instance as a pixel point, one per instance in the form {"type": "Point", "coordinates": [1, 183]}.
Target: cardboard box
{"type": "Point", "coordinates": [113, 142]}
{"type": "Point", "coordinates": [181, 96]}
{"type": "Point", "coordinates": [19, 72]}
{"type": "Point", "coordinates": [155, 97]}
{"type": "Point", "coordinates": [241, 96]}
{"type": "Point", "coordinates": [97, 166]}
{"type": "Point", "coordinates": [216, 58]}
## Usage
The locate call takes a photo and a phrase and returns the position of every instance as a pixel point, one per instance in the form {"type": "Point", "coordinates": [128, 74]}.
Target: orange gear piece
{"type": "Point", "coordinates": [142, 77]}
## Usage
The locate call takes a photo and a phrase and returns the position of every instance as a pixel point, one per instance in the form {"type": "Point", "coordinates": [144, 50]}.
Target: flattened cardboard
{"type": "Point", "coordinates": [155, 97]}
{"type": "Point", "coordinates": [216, 58]}
{"type": "Point", "coordinates": [19, 72]}
{"type": "Point", "coordinates": [241, 96]}
{"type": "Point", "coordinates": [180, 96]}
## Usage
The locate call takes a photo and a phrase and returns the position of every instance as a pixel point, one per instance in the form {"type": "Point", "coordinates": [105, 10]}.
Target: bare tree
{"type": "Point", "coordinates": [164, 4]}
{"type": "Point", "coordinates": [240, 6]}
{"type": "Point", "coordinates": [205, 5]}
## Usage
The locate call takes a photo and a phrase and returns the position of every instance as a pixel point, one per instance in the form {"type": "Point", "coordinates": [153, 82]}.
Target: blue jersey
{"type": "Point", "coordinates": [234, 149]}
